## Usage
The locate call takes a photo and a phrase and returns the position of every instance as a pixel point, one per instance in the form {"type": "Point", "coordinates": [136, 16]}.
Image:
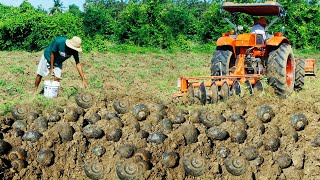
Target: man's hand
{"type": "Point", "coordinates": [51, 72]}
{"type": "Point", "coordinates": [85, 83]}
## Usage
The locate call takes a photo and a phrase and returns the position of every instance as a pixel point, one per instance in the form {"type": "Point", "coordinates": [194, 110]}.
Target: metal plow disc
{"type": "Point", "coordinates": [203, 94]}
{"type": "Point", "coordinates": [213, 93]}
{"type": "Point", "coordinates": [224, 91]}
{"type": "Point", "coordinates": [236, 88]}
{"type": "Point", "coordinates": [249, 87]}
{"type": "Point", "coordinates": [258, 87]}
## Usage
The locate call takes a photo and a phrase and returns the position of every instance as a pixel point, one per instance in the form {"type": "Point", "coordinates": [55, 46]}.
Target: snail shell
{"type": "Point", "coordinates": [94, 118]}
{"type": "Point", "coordinates": [239, 136]}
{"type": "Point", "coordinates": [194, 116]}
{"type": "Point", "coordinates": [166, 125]}
{"type": "Point", "coordinates": [45, 157]}
{"type": "Point", "coordinates": [235, 117]}
{"type": "Point", "coordinates": [272, 144]}
{"type": "Point", "coordinates": [260, 127]}
{"type": "Point", "coordinates": [65, 131]}
{"type": "Point", "coordinates": [129, 169]}
{"type": "Point", "coordinates": [99, 150]}
{"type": "Point", "coordinates": [54, 117]}
{"type": "Point", "coordinates": [113, 134]}
{"type": "Point", "coordinates": [259, 160]}
{"type": "Point", "coordinates": [32, 136]}
{"type": "Point", "coordinates": [32, 116]}
{"type": "Point", "coordinates": [316, 141]}
{"type": "Point", "coordinates": [284, 161]}
{"type": "Point", "coordinates": [236, 165]}
{"type": "Point", "coordinates": [299, 121]}
{"type": "Point", "coordinates": [121, 106]}
{"type": "Point", "coordinates": [179, 119]}
{"type": "Point", "coordinates": [217, 133]}
{"type": "Point", "coordinates": [142, 155]}
{"type": "Point", "coordinates": [194, 164]}
{"type": "Point", "coordinates": [190, 133]}
{"type": "Point", "coordinates": [4, 147]}
{"type": "Point", "coordinates": [94, 170]}
{"type": "Point", "coordinates": [209, 119]}
{"type": "Point", "coordinates": [140, 112]}
{"type": "Point", "coordinates": [17, 153]}
{"type": "Point", "coordinates": [223, 152]}
{"type": "Point", "coordinates": [19, 112]}
{"type": "Point", "coordinates": [157, 137]}
{"type": "Point", "coordinates": [250, 153]}
{"type": "Point", "coordinates": [20, 124]}
{"type": "Point", "coordinates": [92, 131]}
{"type": "Point", "coordinates": [126, 151]}
{"type": "Point", "coordinates": [241, 123]}
{"type": "Point", "coordinates": [71, 114]}
{"type": "Point", "coordinates": [116, 122]}
{"type": "Point", "coordinates": [84, 100]}
{"type": "Point", "coordinates": [265, 113]}
{"type": "Point", "coordinates": [18, 165]}
{"type": "Point", "coordinates": [111, 115]}
{"type": "Point", "coordinates": [41, 124]}
{"type": "Point", "coordinates": [170, 159]}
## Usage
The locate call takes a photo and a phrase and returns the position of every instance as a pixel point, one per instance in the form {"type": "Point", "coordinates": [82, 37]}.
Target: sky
{"type": "Point", "coordinates": [46, 4]}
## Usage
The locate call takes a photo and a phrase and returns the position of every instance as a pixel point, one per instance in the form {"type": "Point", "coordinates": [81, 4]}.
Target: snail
{"type": "Point", "coordinates": [19, 112]}
{"type": "Point", "coordinates": [142, 154]}
{"type": "Point", "coordinates": [18, 164]}
{"type": "Point", "coordinates": [265, 113]}
{"type": "Point", "coordinates": [299, 121]}
{"type": "Point", "coordinates": [241, 124]}
{"type": "Point", "coordinates": [272, 144]}
{"type": "Point", "coordinates": [235, 117]}
{"type": "Point", "coordinates": [113, 134]}
{"type": "Point", "coordinates": [65, 131]}
{"type": "Point", "coordinates": [41, 124]}
{"type": "Point", "coordinates": [20, 124]}
{"type": "Point", "coordinates": [130, 169]}
{"type": "Point", "coordinates": [194, 164]}
{"type": "Point", "coordinates": [166, 125]}
{"type": "Point", "coordinates": [84, 100]}
{"type": "Point", "coordinates": [194, 116]}
{"type": "Point", "coordinates": [94, 118]}
{"type": "Point", "coordinates": [217, 133]}
{"type": "Point", "coordinates": [170, 159]}
{"type": "Point", "coordinates": [223, 152]}
{"type": "Point", "coordinates": [45, 157]}
{"type": "Point", "coordinates": [121, 106]}
{"type": "Point", "coordinates": [316, 141]}
{"type": "Point", "coordinates": [92, 131]}
{"type": "Point", "coordinates": [259, 160]}
{"type": "Point", "coordinates": [54, 117]}
{"type": "Point", "coordinates": [236, 165]}
{"type": "Point", "coordinates": [250, 153]}
{"type": "Point", "coordinates": [284, 161]}
{"type": "Point", "coordinates": [238, 136]}
{"type": "Point", "coordinates": [32, 136]}
{"type": "Point", "coordinates": [190, 133]}
{"type": "Point", "coordinates": [140, 112]}
{"type": "Point", "coordinates": [99, 150]}
{"type": "Point", "coordinates": [179, 119]}
{"type": "Point", "coordinates": [94, 170]}
{"type": "Point", "coordinates": [111, 115]}
{"type": "Point", "coordinates": [4, 147]}
{"type": "Point", "coordinates": [209, 119]}
{"type": "Point", "coordinates": [71, 114]}
{"type": "Point", "coordinates": [116, 122]}
{"type": "Point", "coordinates": [17, 153]}
{"type": "Point", "coordinates": [157, 137]}
{"type": "Point", "coordinates": [126, 151]}
{"type": "Point", "coordinates": [259, 126]}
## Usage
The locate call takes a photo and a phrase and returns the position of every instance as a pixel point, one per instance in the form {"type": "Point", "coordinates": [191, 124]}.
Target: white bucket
{"type": "Point", "coordinates": [51, 88]}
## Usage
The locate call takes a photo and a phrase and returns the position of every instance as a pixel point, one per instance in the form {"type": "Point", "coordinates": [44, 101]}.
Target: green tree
{"type": "Point", "coordinates": [57, 7]}
{"type": "Point", "coordinates": [74, 9]}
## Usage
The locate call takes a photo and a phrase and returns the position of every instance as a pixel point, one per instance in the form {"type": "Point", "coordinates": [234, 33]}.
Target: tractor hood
{"type": "Point", "coordinates": [269, 8]}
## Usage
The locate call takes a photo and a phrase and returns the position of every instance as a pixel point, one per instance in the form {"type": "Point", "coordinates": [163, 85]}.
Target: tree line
{"type": "Point", "coordinates": [162, 24]}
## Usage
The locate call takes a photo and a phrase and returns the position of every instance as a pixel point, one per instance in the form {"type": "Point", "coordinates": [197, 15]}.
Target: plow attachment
{"type": "Point", "coordinates": [310, 67]}
{"type": "Point", "coordinates": [211, 89]}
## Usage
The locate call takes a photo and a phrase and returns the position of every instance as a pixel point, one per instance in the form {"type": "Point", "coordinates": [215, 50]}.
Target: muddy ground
{"type": "Point", "coordinates": [71, 157]}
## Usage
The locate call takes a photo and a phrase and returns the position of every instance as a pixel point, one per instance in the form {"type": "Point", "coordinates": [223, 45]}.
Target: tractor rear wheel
{"type": "Point", "coordinates": [281, 70]}
{"type": "Point", "coordinates": [220, 61]}
{"type": "Point", "coordinates": [300, 73]}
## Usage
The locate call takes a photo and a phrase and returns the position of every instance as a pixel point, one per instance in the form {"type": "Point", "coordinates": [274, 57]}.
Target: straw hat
{"type": "Point", "coordinates": [74, 43]}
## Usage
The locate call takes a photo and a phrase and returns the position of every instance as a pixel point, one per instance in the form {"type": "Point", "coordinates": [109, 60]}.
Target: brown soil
{"type": "Point", "coordinates": [70, 157]}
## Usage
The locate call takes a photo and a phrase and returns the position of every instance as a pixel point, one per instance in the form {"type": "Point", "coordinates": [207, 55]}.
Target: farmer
{"type": "Point", "coordinates": [259, 27]}
{"type": "Point", "coordinates": [54, 55]}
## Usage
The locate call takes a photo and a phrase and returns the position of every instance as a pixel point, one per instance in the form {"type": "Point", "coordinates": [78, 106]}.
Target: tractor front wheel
{"type": "Point", "coordinates": [281, 70]}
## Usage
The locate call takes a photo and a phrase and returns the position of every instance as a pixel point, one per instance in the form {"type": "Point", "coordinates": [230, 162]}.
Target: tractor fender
{"type": "Point", "coordinates": [225, 41]}
{"type": "Point", "coordinates": [277, 40]}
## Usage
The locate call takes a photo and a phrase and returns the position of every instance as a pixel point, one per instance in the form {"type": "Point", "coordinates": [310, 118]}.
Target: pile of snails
{"type": "Point", "coordinates": [159, 127]}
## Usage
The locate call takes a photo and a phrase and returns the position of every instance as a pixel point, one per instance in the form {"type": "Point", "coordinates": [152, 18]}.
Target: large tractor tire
{"type": "Point", "coordinates": [281, 70]}
{"type": "Point", "coordinates": [220, 61]}
{"type": "Point", "coordinates": [300, 73]}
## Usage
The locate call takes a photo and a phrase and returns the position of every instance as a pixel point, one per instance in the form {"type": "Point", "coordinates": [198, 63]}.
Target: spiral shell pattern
{"type": "Point", "coordinates": [84, 100]}
{"type": "Point", "coordinates": [194, 164]}
{"type": "Point", "coordinates": [129, 169]}
{"type": "Point", "coordinates": [94, 170]}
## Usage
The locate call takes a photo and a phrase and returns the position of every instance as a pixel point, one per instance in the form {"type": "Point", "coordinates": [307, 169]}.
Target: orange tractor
{"type": "Point", "coordinates": [241, 60]}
